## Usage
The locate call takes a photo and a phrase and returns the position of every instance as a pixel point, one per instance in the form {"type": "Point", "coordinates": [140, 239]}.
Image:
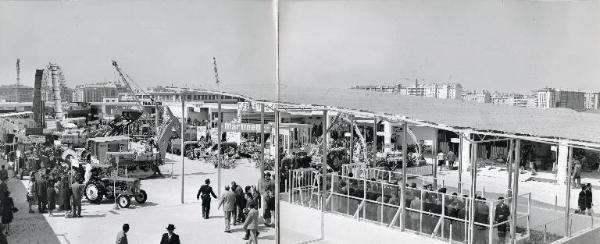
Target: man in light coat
{"type": "Point", "coordinates": [251, 223]}
{"type": "Point", "coordinates": [228, 202]}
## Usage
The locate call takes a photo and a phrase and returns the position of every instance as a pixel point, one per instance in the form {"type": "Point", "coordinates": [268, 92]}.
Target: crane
{"type": "Point", "coordinates": [125, 80]}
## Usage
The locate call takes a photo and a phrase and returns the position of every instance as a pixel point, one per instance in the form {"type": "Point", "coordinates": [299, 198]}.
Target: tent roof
{"type": "Point", "coordinates": [553, 125]}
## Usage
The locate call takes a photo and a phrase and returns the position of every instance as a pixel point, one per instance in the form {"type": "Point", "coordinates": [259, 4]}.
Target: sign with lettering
{"type": "Point", "coordinates": [245, 127]}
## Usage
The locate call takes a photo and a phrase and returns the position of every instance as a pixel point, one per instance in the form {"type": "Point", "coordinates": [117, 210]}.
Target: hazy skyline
{"type": "Point", "coordinates": [508, 45]}
{"type": "Point", "coordinates": [155, 42]}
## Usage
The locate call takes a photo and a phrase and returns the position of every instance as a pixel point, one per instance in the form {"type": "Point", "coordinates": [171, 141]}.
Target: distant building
{"type": "Point", "coordinates": [16, 93]}
{"type": "Point", "coordinates": [171, 95]}
{"type": "Point", "coordinates": [557, 98]}
{"type": "Point", "coordinates": [96, 92]}
{"type": "Point", "coordinates": [477, 96]}
{"type": "Point", "coordinates": [592, 100]}
{"type": "Point", "coordinates": [514, 99]}
{"type": "Point", "coordinates": [433, 90]}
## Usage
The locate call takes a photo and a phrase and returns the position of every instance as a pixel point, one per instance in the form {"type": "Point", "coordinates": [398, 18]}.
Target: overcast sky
{"type": "Point", "coordinates": [155, 42]}
{"type": "Point", "coordinates": [505, 45]}
{"type": "Point", "coordinates": [509, 45]}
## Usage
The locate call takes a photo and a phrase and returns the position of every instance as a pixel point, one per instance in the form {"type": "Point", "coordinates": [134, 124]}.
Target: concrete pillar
{"type": "Point", "coordinates": [563, 158]}
{"type": "Point", "coordinates": [465, 151]}
{"type": "Point", "coordinates": [387, 136]}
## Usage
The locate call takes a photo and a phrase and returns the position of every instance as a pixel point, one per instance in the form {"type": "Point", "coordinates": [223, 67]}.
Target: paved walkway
{"type": "Point", "coordinates": [27, 228]}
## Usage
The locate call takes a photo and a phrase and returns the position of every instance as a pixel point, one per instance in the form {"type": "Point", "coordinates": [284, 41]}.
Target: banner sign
{"type": "Point", "coordinates": [245, 127]}
{"type": "Point", "coordinates": [200, 132]}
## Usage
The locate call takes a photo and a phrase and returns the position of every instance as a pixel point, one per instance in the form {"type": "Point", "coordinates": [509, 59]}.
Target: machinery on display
{"type": "Point", "coordinates": [101, 184]}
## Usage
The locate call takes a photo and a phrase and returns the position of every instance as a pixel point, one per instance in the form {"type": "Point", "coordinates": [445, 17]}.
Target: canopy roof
{"type": "Point", "coordinates": [549, 125]}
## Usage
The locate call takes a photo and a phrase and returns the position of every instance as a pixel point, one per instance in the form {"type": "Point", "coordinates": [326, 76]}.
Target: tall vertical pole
{"type": "Point", "coordinates": [515, 192]}
{"type": "Point", "coordinates": [510, 165]}
{"type": "Point", "coordinates": [461, 137]}
{"type": "Point", "coordinates": [403, 184]}
{"type": "Point", "coordinates": [434, 150]}
{"type": "Point", "coordinates": [183, 123]}
{"type": "Point", "coordinates": [374, 141]}
{"type": "Point", "coordinates": [568, 192]}
{"type": "Point", "coordinates": [473, 192]}
{"type": "Point", "coordinates": [219, 138]}
{"type": "Point", "coordinates": [351, 138]}
{"type": "Point", "coordinates": [277, 171]}
{"type": "Point", "coordinates": [262, 141]}
{"type": "Point", "coordinates": [324, 169]}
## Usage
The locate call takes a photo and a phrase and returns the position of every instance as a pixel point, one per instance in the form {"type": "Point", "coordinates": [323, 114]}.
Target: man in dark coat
{"type": "Point", "coordinates": [588, 198]}
{"type": "Point", "coordinates": [170, 237]}
{"type": "Point", "coordinates": [501, 215]}
{"type": "Point", "coordinates": [41, 186]}
{"type": "Point", "coordinates": [205, 192]}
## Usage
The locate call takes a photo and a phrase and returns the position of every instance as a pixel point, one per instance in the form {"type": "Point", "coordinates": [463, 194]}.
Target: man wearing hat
{"type": "Point", "coordinates": [170, 237]}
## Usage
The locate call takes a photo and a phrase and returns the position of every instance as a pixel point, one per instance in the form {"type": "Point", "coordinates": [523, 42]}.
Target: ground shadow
{"type": "Point", "coordinates": [143, 205]}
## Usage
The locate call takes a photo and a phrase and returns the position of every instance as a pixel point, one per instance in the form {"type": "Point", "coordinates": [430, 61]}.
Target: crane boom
{"type": "Point", "coordinates": [126, 82]}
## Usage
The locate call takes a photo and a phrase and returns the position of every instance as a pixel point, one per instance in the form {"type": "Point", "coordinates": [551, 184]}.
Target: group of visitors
{"type": "Point", "coordinates": [48, 191]}
{"type": "Point", "coordinates": [241, 205]}
{"type": "Point", "coordinates": [425, 207]}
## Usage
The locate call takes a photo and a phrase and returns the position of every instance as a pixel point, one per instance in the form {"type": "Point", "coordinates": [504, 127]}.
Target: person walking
{"type": "Point", "coordinates": [31, 195]}
{"type": "Point", "coordinates": [170, 237]}
{"type": "Point", "coordinates": [8, 207]}
{"type": "Point", "coordinates": [77, 190]}
{"type": "Point", "coordinates": [588, 199]}
{"type": "Point", "coordinates": [501, 215]}
{"type": "Point", "coordinates": [234, 214]}
{"type": "Point", "coordinates": [228, 202]}
{"type": "Point", "coordinates": [51, 193]}
{"type": "Point", "coordinates": [440, 160]}
{"type": "Point", "coordinates": [3, 173]}
{"type": "Point", "coordinates": [451, 157]}
{"type": "Point", "coordinates": [41, 186]}
{"type": "Point", "coordinates": [577, 174]}
{"type": "Point", "coordinates": [241, 204]}
{"type": "Point", "coordinates": [251, 224]}
{"type": "Point", "coordinates": [205, 192]}
{"type": "Point", "coordinates": [122, 235]}
{"type": "Point", "coordinates": [269, 208]}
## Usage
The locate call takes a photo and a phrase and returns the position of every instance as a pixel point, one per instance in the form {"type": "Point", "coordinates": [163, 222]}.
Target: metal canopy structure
{"type": "Point", "coordinates": [552, 126]}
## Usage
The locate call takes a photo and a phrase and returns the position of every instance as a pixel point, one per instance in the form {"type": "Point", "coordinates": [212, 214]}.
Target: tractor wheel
{"type": "Point", "coordinates": [93, 193]}
{"type": "Point", "coordinates": [141, 197]}
{"type": "Point", "coordinates": [123, 201]}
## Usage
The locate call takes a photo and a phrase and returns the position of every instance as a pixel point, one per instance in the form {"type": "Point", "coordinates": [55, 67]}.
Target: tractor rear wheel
{"type": "Point", "coordinates": [141, 197]}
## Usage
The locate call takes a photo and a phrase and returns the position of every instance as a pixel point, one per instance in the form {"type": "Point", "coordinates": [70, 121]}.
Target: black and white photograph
{"type": "Point", "coordinates": [299, 121]}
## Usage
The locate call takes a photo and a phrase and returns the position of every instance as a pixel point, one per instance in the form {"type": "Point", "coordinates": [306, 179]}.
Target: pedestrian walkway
{"type": "Point", "coordinates": [27, 228]}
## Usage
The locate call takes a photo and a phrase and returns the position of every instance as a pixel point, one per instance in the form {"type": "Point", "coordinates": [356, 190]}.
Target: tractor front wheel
{"type": "Point", "coordinates": [123, 201]}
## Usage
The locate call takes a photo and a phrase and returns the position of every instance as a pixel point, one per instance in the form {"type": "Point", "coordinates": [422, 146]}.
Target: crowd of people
{"type": "Point", "coordinates": [427, 200]}
{"type": "Point", "coordinates": [241, 205]}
